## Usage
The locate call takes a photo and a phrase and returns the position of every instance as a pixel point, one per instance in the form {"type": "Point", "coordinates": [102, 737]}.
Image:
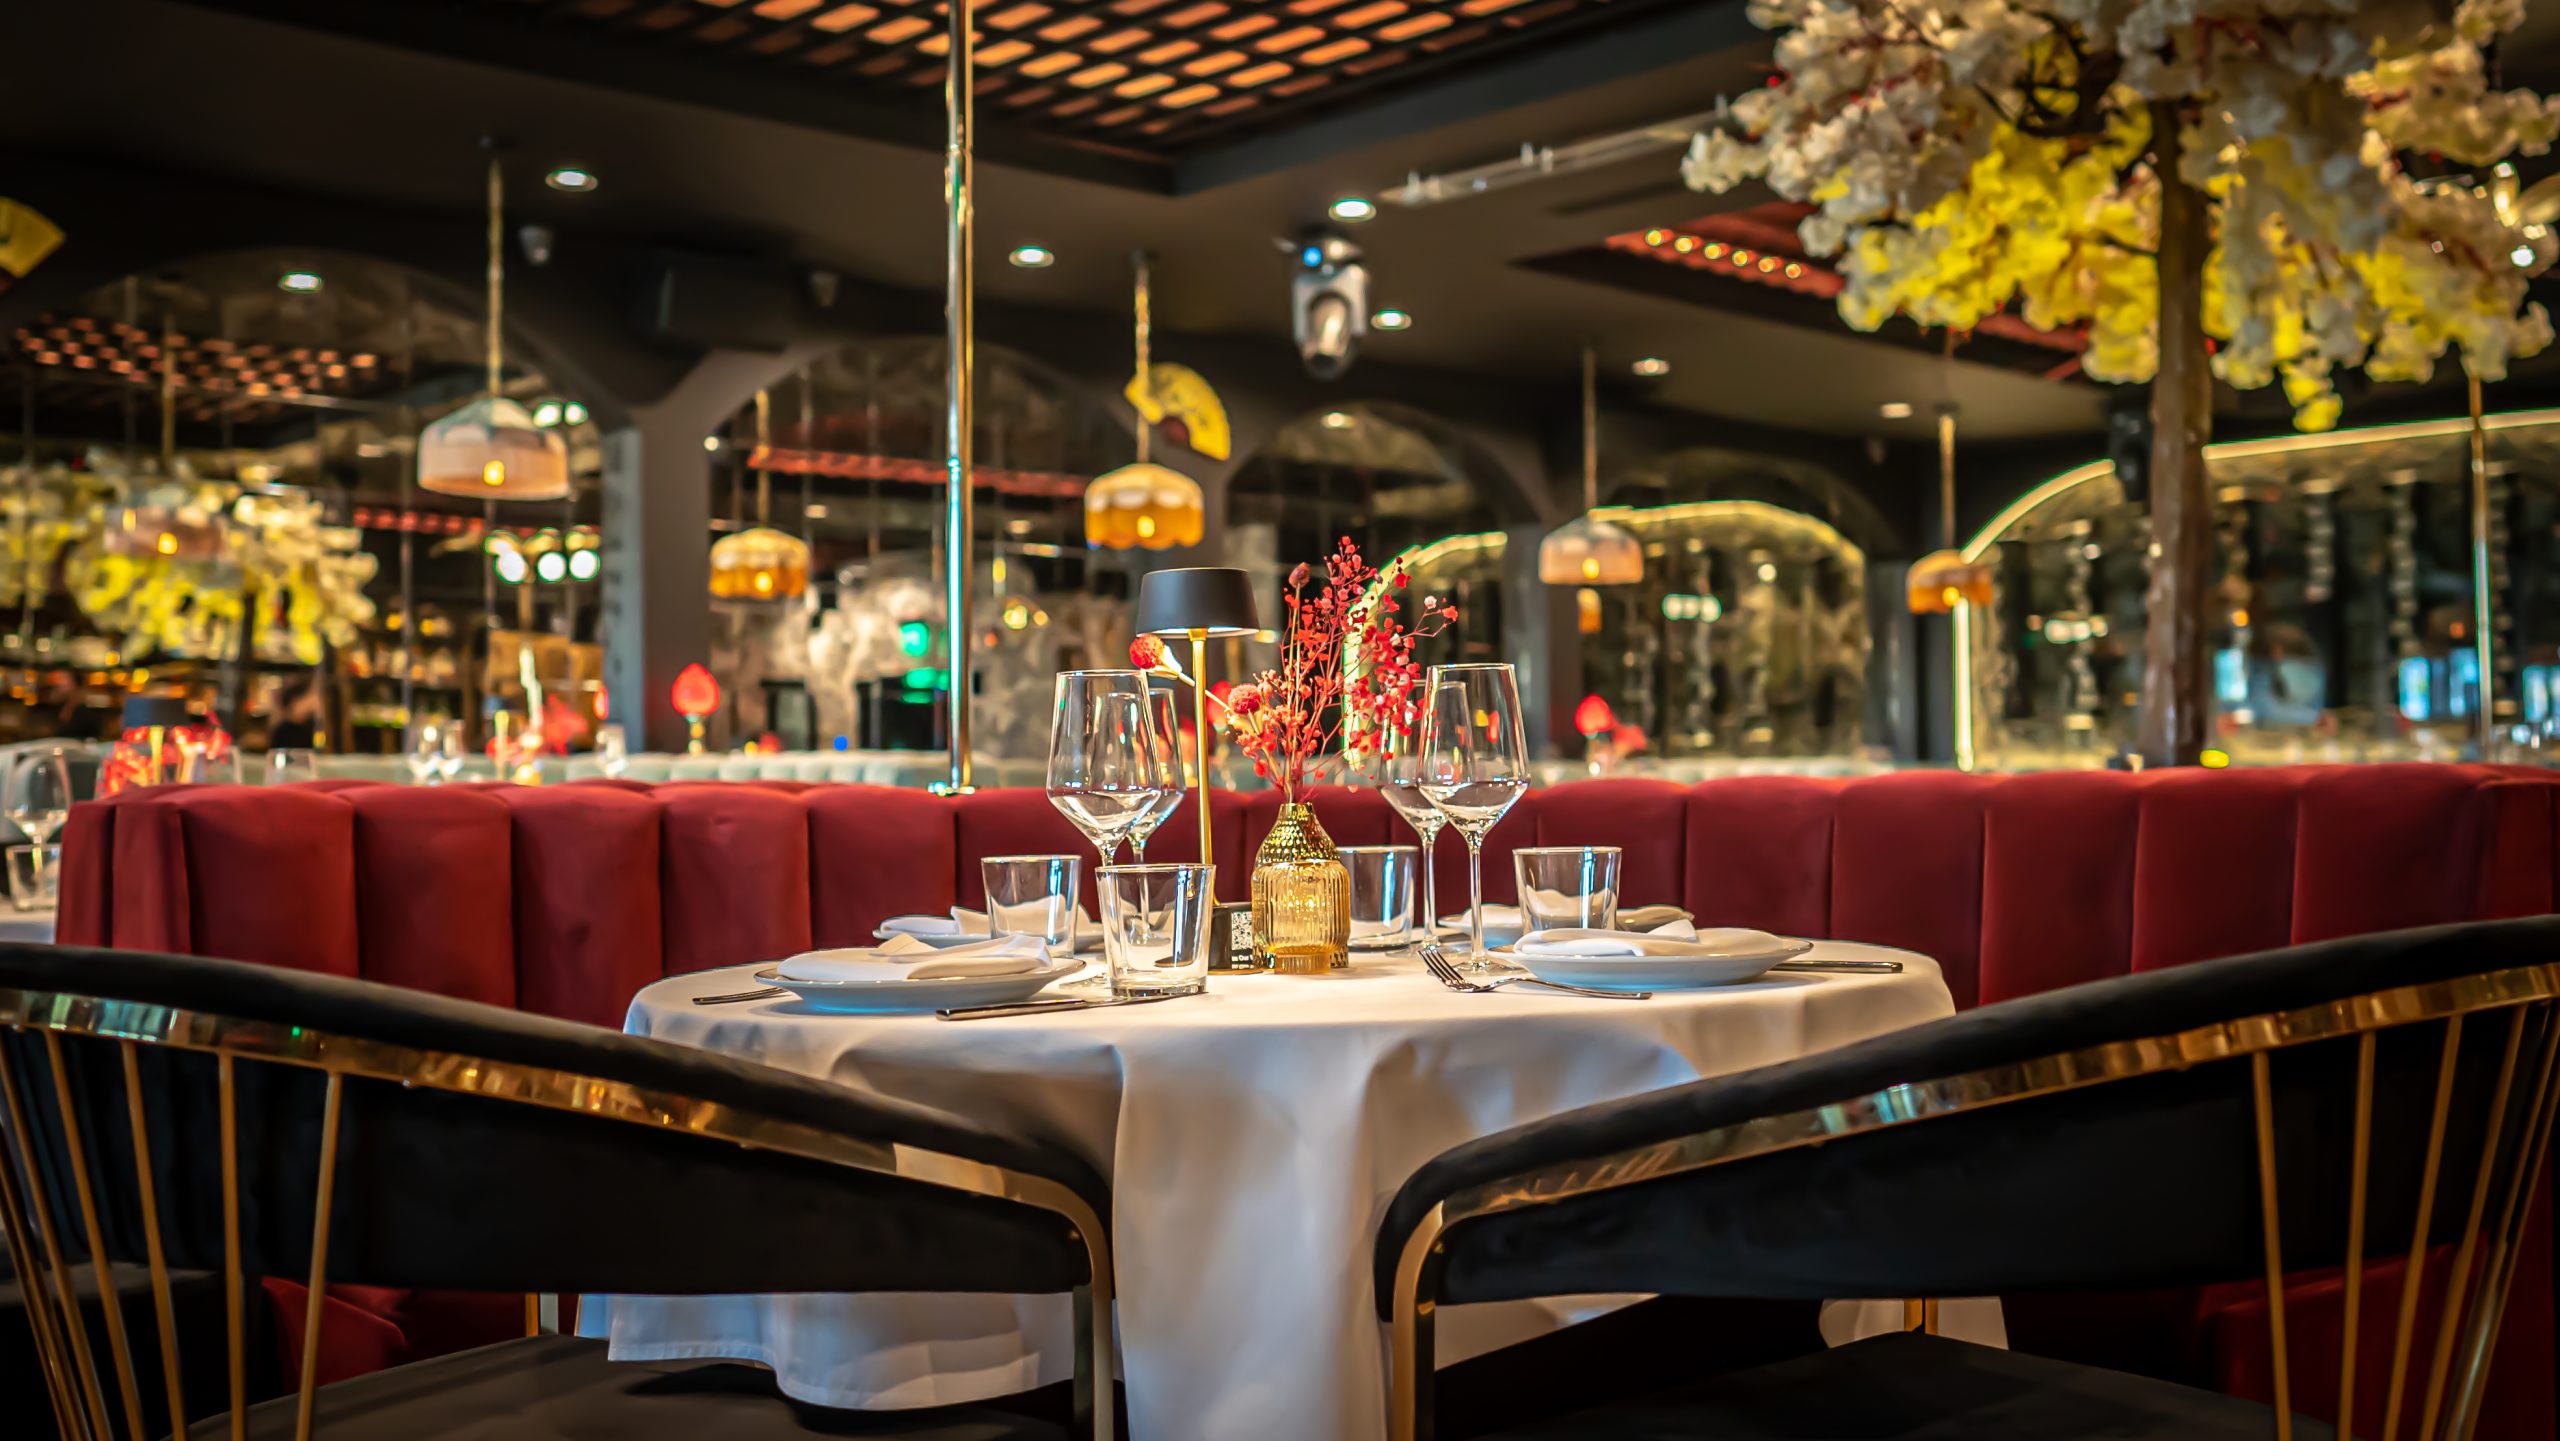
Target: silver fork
{"type": "Point", "coordinates": [1441, 966]}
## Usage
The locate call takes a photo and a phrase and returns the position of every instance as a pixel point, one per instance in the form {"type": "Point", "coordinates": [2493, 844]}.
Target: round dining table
{"type": "Point", "coordinates": [1253, 1136]}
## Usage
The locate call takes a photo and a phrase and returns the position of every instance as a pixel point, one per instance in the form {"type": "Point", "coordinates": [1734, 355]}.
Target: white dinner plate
{"type": "Point", "coordinates": [933, 994]}
{"type": "Point", "coordinates": [1501, 926]}
{"type": "Point", "coordinates": [1658, 973]}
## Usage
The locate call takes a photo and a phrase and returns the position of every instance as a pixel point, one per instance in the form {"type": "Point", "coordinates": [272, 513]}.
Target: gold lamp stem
{"type": "Point", "coordinates": [1200, 736]}
{"type": "Point", "coordinates": [959, 301]}
{"type": "Point", "coordinates": [1590, 431]}
{"type": "Point", "coordinates": [497, 266]}
{"type": "Point", "coordinates": [1145, 327]}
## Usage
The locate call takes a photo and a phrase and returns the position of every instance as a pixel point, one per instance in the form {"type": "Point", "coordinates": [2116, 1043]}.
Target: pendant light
{"type": "Point", "coordinates": [490, 449]}
{"type": "Point", "coordinates": [168, 519]}
{"type": "Point", "coordinates": [1943, 579]}
{"type": "Point", "coordinates": [760, 564]}
{"type": "Point", "coordinates": [1142, 504]}
{"type": "Point", "coordinates": [1587, 550]}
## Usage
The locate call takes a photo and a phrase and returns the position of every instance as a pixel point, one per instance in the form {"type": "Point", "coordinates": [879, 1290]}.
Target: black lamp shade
{"type": "Point", "coordinates": [1213, 599]}
{"type": "Point", "coordinates": [144, 711]}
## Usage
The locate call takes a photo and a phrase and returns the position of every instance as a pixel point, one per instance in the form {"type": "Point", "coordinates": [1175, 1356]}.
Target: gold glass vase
{"type": "Point", "coordinates": [1301, 897]}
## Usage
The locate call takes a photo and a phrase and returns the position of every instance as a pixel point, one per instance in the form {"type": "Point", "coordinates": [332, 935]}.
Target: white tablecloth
{"type": "Point", "coordinates": [1253, 1137]}
{"type": "Point", "coordinates": [17, 925]}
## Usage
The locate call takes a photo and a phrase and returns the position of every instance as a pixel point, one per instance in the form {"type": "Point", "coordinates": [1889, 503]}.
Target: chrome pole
{"type": "Point", "coordinates": [2483, 610]}
{"type": "Point", "coordinates": [960, 117]}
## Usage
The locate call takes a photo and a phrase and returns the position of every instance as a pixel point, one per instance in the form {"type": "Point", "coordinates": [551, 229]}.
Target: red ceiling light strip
{"type": "Point", "coordinates": [845, 465]}
{"type": "Point", "coordinates": [417, 522]}
{"type": "Point", "coordinates": [1759, 245]}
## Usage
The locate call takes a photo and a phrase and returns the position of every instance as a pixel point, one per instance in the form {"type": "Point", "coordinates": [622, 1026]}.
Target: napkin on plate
{"type": "Point", "coordinates": [904, 958]}
{"type": "Point", "coordinates": [962, 922]}
{"type": "Point", "coordinates": [1676, 939]}
{"type": "Point", "coordinates": [1634, 918]}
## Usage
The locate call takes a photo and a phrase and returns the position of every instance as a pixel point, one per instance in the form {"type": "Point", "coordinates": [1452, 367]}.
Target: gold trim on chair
{"type": "Point", "coordinates": [2253, 1038]}
{"type": "Point", "coordinates": [54, 1015]}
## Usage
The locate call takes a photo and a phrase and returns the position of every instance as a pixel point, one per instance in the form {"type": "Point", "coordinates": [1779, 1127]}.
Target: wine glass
{"type": "Point", "coordinates": [1164, 751]}
{"type": "Point", "coordinates": [285, 767]}
{"type": "Point", "coordinates": [40, 795]}
{"type": "Point", "coordinates": [426, 752]}
{"type": "Point", "coordinates": [1474, 765]}
{"type": "Point", "coordinates": [1400, 781]}
{"type": "Point", "coordinates": [1102, 775]}
{"type": "Point", "coordinates": [449, 750]}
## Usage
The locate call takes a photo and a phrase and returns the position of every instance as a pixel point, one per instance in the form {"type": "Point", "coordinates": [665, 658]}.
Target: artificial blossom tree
{"type": "Point", "coordinates": [2210, 188]}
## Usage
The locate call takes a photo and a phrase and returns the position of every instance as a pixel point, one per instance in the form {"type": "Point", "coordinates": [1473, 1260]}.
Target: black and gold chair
{"type": "Point", "coordinates": [180, 1114]}
{"type": "Point", "coordinates": [2386, 1096]}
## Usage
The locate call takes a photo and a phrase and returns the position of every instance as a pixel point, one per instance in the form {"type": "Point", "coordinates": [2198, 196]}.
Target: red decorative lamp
{"type": "Point", "coordinates": [696, 695]}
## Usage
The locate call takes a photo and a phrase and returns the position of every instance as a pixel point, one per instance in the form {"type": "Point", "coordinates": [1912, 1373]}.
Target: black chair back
{"type": "Point", "coordinates": [2332, 1103]}
{"type": "Point", "coordinates": [181, 1113]}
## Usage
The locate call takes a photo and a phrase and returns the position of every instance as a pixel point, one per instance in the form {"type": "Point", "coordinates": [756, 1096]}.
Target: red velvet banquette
{"type": "Point", "coordinates": [565, 900]}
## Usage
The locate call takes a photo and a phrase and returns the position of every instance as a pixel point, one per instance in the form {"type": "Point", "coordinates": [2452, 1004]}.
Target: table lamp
{"type": "Point", "coordinates": [1198, 602]}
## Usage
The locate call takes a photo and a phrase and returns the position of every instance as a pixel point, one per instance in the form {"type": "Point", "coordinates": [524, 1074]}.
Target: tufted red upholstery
{"type": "Point", "coordinates": [565, 900]}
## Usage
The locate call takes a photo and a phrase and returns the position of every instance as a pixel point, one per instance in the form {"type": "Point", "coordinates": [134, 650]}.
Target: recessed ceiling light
{"type": "Point", "coordinates": [816, 510]}
{"type": "Point", "coordinates": [1353, 209]}
{"type": "Point", "coordinates": [1895, 410]}
{"type": "Point", "coordinates": [711, 443]}
{"type": "Point", "coordinates": [571, 178]}
{"type": "Point", "coordinates": [1391, 320]}
{"type": "Point", "coordinates": [1652, 367]}
{"type": "Point", "coordinates": [300, 282]}
{"type": "Point", "coordinates": [1033, 257]}
{"type": "Point", "coordinates": [1337, 420]}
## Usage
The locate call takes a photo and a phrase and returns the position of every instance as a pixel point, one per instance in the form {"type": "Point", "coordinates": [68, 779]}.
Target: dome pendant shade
{"type": "Point", "coordinates": [759, 564]}
{"type": "Point", "coordinates": [1944, 579]}
{"type": "Point", "coordinates": [492, 450]}
{"type": "Point", "coordinates": [1143, 505]}
{"type": "Point", "coordinates": [1587, 550]}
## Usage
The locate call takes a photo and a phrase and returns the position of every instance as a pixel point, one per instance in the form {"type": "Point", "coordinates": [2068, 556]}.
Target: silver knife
{"type": "Point", "coordinates": [1861, 968]}
{"type": "Point", "coordinates": [1042, 1008]}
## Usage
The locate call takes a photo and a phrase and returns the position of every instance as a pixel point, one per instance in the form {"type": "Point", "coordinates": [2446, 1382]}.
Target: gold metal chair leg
{"type": "Point", "coordinates": [127, 1388]}
{"type": "Point", "coordinates": [233, 1320]}
{"type": "Point", "coordinates": [2416, 1269]}
{"type": "Point", "coordinates": [1097, 1348]}
{"type": "Point", "coordinates": [92, 1397]}
{"type": "Point", "coordinates": [2357, 1168]}
{"type": "Point", "coordinates": [1413, 1349]}
{"type": "Point", "coordinates": [2497, 1272]}
{"type": "Point", "coordinates": [164, 1306]}
{"type": "Point", "coordinates": [2458, 1280]}
{"type": "Point", "coordinates": [319, 1280]}
{"type": "Point", "coordinates": [2262, 1094]}
{"type": "Point", "coordinates": [69, 1422]}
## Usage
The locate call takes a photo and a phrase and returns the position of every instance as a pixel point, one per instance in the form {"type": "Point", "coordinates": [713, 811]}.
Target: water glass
{"type": "Point", "coordinates": [1382, 894]}
{"type": "Point", "coordinates": [613, 750]}
{"type": "Point", "coordinates": [426, 751]}
{"type": "Point", "coordinates": [35, 876]}
{"type": "Point", "coordinates": [287, 766]}
{"type": "Point", "coordinates": [1033, 896]}
{"type": "Point", "coordinates": [40, 796]}
{"type": "Point", "coordinates": [1155, 928]}
{"type": "Point", "coordinates": [1567, 886]}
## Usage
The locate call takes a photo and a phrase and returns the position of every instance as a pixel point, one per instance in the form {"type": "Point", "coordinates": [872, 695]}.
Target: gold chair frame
{"type": "Point", "coordinates": [36, 1233]}
{"type": "Point", "coordinates": [2462, 1337]}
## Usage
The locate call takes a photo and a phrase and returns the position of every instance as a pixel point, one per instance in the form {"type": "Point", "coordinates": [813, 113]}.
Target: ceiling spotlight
{"type": "Point", "coordinates": [571, 178]}
{"type": "Point", "coordinates": [1653, 367]}
{"type": "Point", "coordinates": [1352, 209]}
{"type": "Point", "coordinates": [711, 443]}
{"type": "Point", "coordinates": [1895, 410]}
{"type": "Point", "coordinates": [1391, 320]}
{"type": "Point", "coordinates": [299, 282]}
{"type": "Point", "coordinates": [1033, 257]}
{"type": "Point", "coordinates": [1337, 420]}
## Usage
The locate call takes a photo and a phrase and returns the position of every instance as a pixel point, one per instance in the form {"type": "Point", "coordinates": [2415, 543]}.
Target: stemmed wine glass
{"type": "Point", "coordinates": [1164, 751]}
{"type": "Point", "coordinates": [1102, 775]}
{"type": "Point", "coordinates": [40, 795]}
{"type": "Point", "coordinates": [1400, 781]}
{"type": "Point", "coordinates": [449, 753]}
{"type": "Point", "coordinates": [1474, 765]}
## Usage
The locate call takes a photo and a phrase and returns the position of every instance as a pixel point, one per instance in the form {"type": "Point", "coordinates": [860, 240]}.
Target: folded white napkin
{"type": "Point", "coordinates": [904, 958]}
{"type": "Point", "coordinates": [1676, 939]}
{"type": "Point", "coordinates": [961, 922]}
{"type": "Point", "coordinates": [1635, 918]}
